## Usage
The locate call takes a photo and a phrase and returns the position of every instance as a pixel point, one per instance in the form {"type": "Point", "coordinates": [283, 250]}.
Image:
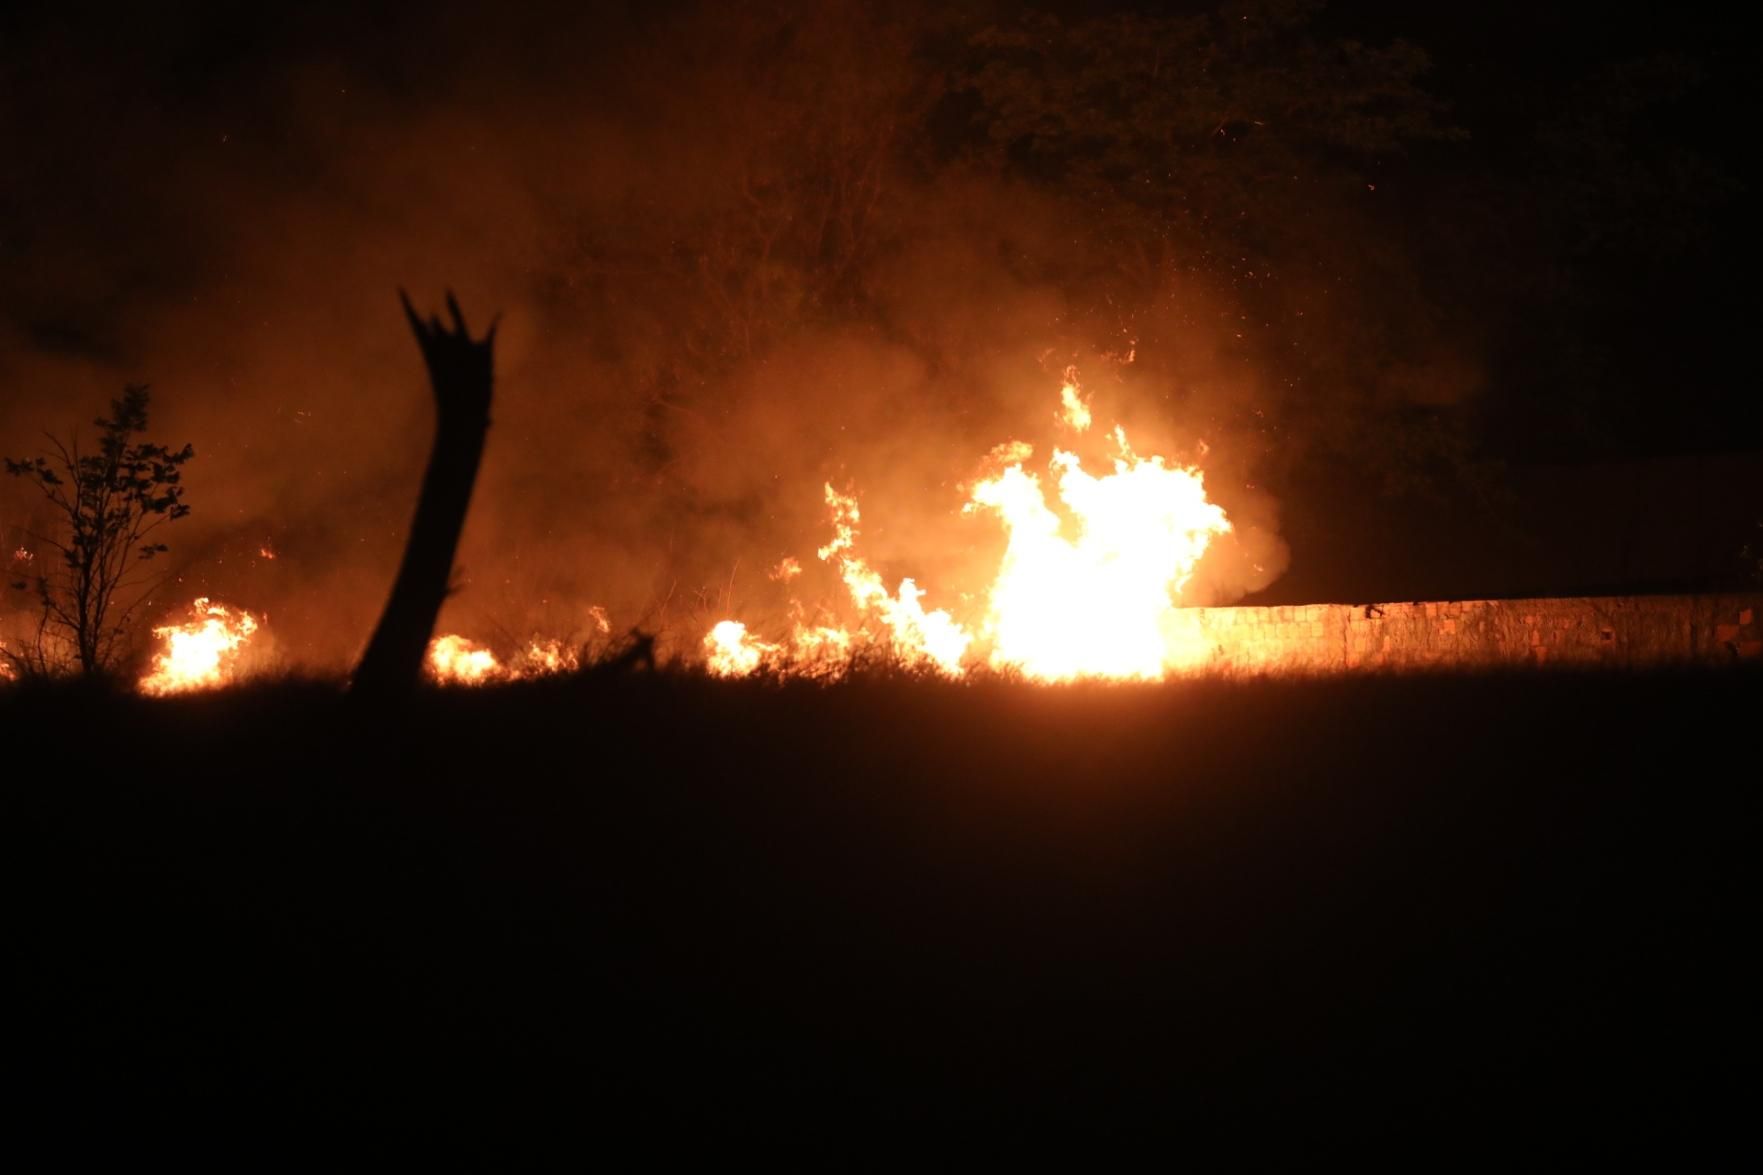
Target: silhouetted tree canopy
{"type": "Point", "coordinates": [109, 506]}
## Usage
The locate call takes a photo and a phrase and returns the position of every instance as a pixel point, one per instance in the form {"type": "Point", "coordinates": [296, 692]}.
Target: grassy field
{"type": "Point", "coordinates": [662, 906]}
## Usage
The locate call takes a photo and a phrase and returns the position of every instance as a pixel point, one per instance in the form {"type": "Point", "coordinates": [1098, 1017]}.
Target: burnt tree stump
{"type": "Point", "coordinates": [461, 371]}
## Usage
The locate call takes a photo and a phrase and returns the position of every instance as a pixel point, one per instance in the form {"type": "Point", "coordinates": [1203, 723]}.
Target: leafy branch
{"type": "Point", "coordinates": [112, 504]}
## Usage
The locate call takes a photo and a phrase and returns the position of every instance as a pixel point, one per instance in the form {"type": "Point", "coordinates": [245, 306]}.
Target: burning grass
{"type": "Point", "coordinates": [201, 653]}
{"type": "Point", "coordinates": [1086, 588]}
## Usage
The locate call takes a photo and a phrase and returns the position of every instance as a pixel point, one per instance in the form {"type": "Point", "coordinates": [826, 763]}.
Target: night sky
{"type": "Point", "coordinates": [1451, 295]}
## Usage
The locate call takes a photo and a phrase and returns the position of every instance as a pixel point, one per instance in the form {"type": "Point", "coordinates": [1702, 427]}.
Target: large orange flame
{"type": "Point", "coordinates": [200, 654]}
{"type": "Point", "coordinates": [1097, 604]}
{"type": "Point", "coordinates": [1087, 586]}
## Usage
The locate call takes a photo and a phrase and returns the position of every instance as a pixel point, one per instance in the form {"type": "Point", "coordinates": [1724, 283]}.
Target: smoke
{"type": "Point", "coordinates": [686, 355]}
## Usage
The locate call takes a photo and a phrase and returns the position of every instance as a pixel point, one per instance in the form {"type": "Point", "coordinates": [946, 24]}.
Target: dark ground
{"type": "Point", "coordinates": [661, 909]}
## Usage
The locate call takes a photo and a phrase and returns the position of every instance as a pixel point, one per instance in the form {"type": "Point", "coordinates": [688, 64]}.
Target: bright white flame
{"type": "Point", "coordinates": [730, 652]}
{"type": "Point", "coordinates": [454, 660]}
{"type": "Point", "coordinates": [200, 654]}
{"type": "Point", "coordinates": [1088, 585]}
{"type": "Point", "coordinates": [1097, 603]}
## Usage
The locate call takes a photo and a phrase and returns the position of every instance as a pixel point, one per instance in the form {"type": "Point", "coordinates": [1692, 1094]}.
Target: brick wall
{"type": "Point", "coordinates": [1606, 630]}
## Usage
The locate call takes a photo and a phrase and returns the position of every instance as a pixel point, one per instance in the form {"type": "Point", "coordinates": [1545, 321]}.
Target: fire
{"type": "Point", "coordinates": [457, 660]}
{"type": "Point", "coordinates": [1087, 585]}
{"type": "Point", "coordinates": [541, 658]}
{"type": "Point", "coordinates": [812, 651]}
{"type": "Point", "coordinates": [1073, 411]}
{"type": "Point", "coordinates": [918, 638]}
{"type": "Point", "coordinates": [1099, 604]}
{"type": "Point", "coordinates": [730, 652]}
{"type": "Point", "coordinates": [200, 654]}
{"type": "Point", "coordinates": [454, 660]}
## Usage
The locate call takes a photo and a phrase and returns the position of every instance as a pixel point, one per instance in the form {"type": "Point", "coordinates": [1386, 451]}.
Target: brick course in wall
{"type": "Point", "coordinates": [1597, 630]}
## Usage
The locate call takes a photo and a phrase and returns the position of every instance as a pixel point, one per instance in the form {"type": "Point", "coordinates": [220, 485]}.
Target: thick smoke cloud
{"type": "Point", "coordinates": [670, 402]}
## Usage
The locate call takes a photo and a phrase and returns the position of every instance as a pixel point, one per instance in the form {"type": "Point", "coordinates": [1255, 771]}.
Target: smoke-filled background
{"type": "Point", "coordinates": [1383, 277]}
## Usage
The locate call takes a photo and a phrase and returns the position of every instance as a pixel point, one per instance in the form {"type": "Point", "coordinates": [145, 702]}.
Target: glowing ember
{"type": "Point", "coordinates": [200, 654]}
{"type": "Point", "coordinates": [1085, 589]}
{"type": "Point", "coordinates": [453, 660]}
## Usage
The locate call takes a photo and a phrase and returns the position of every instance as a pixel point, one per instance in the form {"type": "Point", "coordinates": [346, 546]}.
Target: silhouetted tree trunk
{"type": "Point", "coordinates": [461, 370]}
